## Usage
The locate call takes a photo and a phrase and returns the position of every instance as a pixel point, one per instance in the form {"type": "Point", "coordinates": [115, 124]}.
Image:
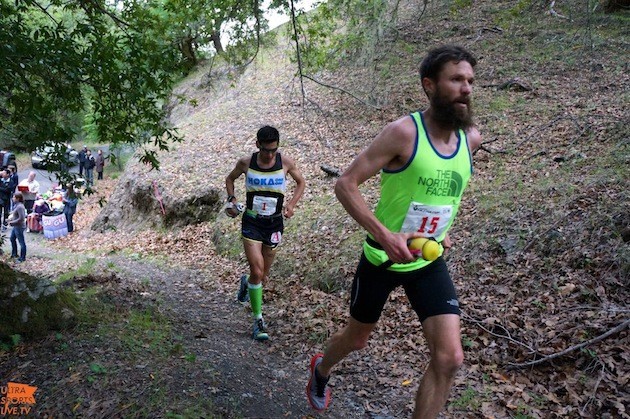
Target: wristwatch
{"type": "Point", "coordinates": [230, 198]}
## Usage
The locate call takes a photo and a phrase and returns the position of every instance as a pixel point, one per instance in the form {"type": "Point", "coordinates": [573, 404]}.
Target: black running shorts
{"type": "Point", "coordinates": [267, 231]}
{"type": "Point", "coordinates": [430, 290]}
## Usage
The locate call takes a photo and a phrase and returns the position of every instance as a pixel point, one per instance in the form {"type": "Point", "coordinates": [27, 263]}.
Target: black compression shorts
{"type": "Point", "coordinates": [267, 231]}
{"type": "Point", "coordinates": [430, 290]}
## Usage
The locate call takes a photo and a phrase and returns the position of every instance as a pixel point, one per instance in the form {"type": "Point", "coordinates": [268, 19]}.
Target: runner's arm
{"type": "Point", "coordinates": [474, 138]}
{"type": "Point", "coordinates": [239, 169]}
{"type": "Point", "coordinates": [294, 172]}
{"type": "Point", "coordinates": [391, 145]}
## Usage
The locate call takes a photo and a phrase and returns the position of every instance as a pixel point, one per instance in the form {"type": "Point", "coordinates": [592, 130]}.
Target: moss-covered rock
{"type": "Point", "coordinates": [31, 307]}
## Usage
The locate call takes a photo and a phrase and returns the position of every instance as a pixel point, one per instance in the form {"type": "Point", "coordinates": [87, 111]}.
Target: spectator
{"type": "Point", "coordinates": [13, 182]}
{"type": "Point", "coordinates": [40, 207]}
{"type": "Point", "coordinates": [100, 164]}
{"type": "Point", "coordinates": [89, 168]}
{"type": "Point", "coordinates": [82, 156]}
{"type": "Point", "coordinates": [29, 188]}
{"type": "Point", "coordinates": [70, 202]}
{"type": "Point", "coordinates": [14, 178]}
{"type": "Point", "coordinates": [18, 222]}
{"type": "Point", "coordinates": [34, 219]}
{"type": "Point", "coordinates": [5, 197]}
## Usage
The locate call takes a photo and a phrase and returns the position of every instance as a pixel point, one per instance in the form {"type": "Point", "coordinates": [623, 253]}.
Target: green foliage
{"type": "Point", "coordinates": [148, 331]}
{"type": "Point", "coordinates": [68, 60]}
{"type": "Point", "coordinates": [341, 30]}
{"type": "Point", "coordinates": [458, 5]}
{"type": "Point", "coordinates": [85, 269]}
{"type": "Point", "coordinates": [469, 399]}
{"type": "Point", "coordinates": [200, 28]}
{"type": "Point", "coordinates": [10, 343]}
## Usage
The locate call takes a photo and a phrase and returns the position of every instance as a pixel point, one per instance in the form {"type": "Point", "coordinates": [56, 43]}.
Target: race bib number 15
{"type": "Point", "coordinates": [431, 220]}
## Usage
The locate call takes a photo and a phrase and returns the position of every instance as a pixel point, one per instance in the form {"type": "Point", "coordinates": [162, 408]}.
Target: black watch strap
{"type": "Point", "coordinates": [230, 198]}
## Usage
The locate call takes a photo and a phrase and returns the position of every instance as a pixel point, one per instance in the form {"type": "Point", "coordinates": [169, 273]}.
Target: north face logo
{"type": "Point", "coordinates": [447, 183]}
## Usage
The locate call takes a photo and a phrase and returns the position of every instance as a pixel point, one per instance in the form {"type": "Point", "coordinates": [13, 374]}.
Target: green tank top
{"type": "Point", "coordinates": [424, 195]}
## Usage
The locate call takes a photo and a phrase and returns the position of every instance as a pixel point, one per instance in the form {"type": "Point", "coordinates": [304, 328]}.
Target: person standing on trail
{"type": "Point", "coordinates": [82, 158]}
{"type": "Point", "coordinates": [17, 220]}
{"type": "Point", "coordinates": [70, 201]}
{"type": "Point", "coordinates": [89, 165]}
{"type": "Point", "coordinates": [5, 197]}
{"type": "Point", "coordinates": [99, 164]}
{"type": "Point", "coordinates": [425, 161]}
{"type": "Point", "coordinates": [30, 190]}
{"type": "Point", "coordinates": [262, 224]}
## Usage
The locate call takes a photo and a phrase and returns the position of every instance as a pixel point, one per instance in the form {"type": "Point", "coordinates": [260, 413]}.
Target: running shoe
{"type": "Point", "coordinates": [243, 293]}
{"type": "Point", "coordinates": [260, 330]}
{"type": "Point", "coordinates": [317, 392]}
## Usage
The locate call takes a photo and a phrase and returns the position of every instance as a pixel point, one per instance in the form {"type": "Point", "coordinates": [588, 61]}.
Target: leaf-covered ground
{"type": "Point", "coordinates": [541, 255]}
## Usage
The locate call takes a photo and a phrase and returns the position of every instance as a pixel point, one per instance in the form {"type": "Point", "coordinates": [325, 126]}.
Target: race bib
{"type": "Point", "coordinates": [430, 220]}
{"type": "Point", "coordinates": [276, 237]}
{"type": "Point", "coordinates": [264, 205]}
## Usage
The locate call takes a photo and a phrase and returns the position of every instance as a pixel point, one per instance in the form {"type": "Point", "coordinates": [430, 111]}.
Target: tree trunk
{"type": "Point", "coordinates": [216, 40]}
{"type": "Point", "coordinates": [187, 48]}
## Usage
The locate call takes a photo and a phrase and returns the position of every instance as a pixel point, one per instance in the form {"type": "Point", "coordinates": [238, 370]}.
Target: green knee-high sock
{"type": "Point", "coordinates": [255, 298]}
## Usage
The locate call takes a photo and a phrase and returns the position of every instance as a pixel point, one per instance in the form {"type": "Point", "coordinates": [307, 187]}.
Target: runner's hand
{"type": "Point", "coordinates": [288, 211]}
{"type": "Point", "coordinates": [233, 210]}
{"type": "Point", "coordinates": [395, 245]}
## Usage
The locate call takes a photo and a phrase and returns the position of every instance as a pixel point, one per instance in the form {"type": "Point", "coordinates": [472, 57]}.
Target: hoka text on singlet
{"type": "Point", "coordinates": [265, 187]}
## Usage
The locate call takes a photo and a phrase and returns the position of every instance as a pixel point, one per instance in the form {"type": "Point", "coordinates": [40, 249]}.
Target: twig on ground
{"type": "Point", "coordinates": [514, 83]}
{"type": "Point", "coordinates": [533, 240]}
{"type": "Point", "coordinates": [507, 336]}
{"type": "Point", "coordinates": [331, 171]}
{"type": "Point", "coordinates": [482, 30]}
{"type": "Point", "coordinates": [599, 380]}
{"type": "Point", "coordinates": [553, 12]}
{"type": "Point", "coordinates": [541, 128]}
{"type": "Point", "coordinates": [484, 148]}
{"type": "Point", "coordinates": [539, 153]}
{"type": "Point", "coordinates": [570, 349]}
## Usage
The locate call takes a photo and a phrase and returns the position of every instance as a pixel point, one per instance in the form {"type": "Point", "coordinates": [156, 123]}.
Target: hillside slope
{"type": "Point", "coordinates": [541, 256]}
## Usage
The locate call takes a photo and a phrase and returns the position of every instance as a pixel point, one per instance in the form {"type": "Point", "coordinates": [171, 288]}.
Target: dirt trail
{"type": "Point", "coordinates": [239, 376]}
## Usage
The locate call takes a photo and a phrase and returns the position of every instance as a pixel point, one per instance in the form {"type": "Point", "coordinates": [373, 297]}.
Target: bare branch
{"type": "Point", "coordinates": [424, 8]}
{"type": "Point", "coordinates": [297, 51]}
{"type": "Point", "coordinates": [43, 9]}
{"type": "Point", "coordinates": [597, 339]}
{"type": "Point", "coordinates": [341, 90]}
{"type": "Point", "coordinates": [257, 16]}
{"type": "Point", "coordinates": [534, 240]}
{"type": "Point", "coordinates": [85, 5]}
{"type": "Point", "coordinates": [507, 336]}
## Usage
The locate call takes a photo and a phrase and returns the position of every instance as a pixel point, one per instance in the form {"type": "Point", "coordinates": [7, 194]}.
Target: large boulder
{"type": "Point", "coordinates": [31, 307]}
{"type": "Point", "coordinates": [156, 199]}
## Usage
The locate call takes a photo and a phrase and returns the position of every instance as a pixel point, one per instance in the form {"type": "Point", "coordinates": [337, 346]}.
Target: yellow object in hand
{"type": "Point", "coordinates": [428, 249]}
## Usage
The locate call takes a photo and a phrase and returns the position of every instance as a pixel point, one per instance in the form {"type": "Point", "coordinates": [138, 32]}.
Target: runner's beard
{"type": "Point", "coordinates": [449, 116]}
